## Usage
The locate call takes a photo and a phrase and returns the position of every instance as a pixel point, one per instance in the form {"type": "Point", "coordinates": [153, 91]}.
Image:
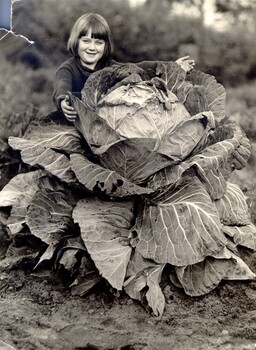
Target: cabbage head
{"type": "Point", "coordinates": [138, 186]}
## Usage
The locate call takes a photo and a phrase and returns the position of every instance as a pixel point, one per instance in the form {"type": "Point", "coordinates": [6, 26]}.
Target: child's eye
{"type": "Point", "coordinates": [99, 42]}
{"type": "Point", "coordinates": [86, 40]}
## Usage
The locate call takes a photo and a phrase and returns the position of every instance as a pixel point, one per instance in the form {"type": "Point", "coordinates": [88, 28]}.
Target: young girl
{"type": "Point", "coordinates": [91, 45]}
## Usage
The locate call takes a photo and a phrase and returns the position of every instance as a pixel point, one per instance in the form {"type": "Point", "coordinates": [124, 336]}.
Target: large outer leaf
{"type": "Point", "coordinates": [49, 216]}
{"type": "Point", "coordinates": [195, 89]}
{"type": "Point", "coordinates": [16, 220]}
{"type": "Point", "coordinates": [18, 186]}
{"type": "Point", "coordinates": [19, 193]}
{"type": "Point", "coordinates": [172, 74]}
{"type": "Point", "coordinates": [68, 257]}
{"type": "Point", "coordinates": [226, 149]}
{"type": "Point", "coordinates": [150, 277]}
{"type": "Point", "coordinates": [240, 148]}
{"type": "Point", "coordinates": [137, 264]}
{"type": "Point", "coordinates": [214, 92]}
{"type": "Point", "coordinates": [88, 276]}
{"type": "Point", "coordinates": [240, 271]}
{"type": "Point", "coordinates": [105, 228]}
{"type": "Point", "coordinates": [154, 295]}
{"type": "Point", "coordinates": [232, 207]}
{"type": "Point", "coordinates": [180, 142]}
{"type": "Point", "coordinates": [201, 278]}
{"type": "Point", "coordinates": [135, 285]}
{"type": "Point", "coordinates": [95, 130]}
{"type": "Point", "coordinates": [48, 253]}
{"type": "Point", "coordinates": [135, 159]}
{"type": "Point", "coordinates": [37, 155]}
{"type": "Point", "coordinates": [46, 143]}
{"type": "Point", "coordinates": [242, 235]}
{"type": "Point", "coordinates": [50, 134]}
{"type": "Point", "coordinates": [193, 98]}
{"type": "Point", "coordinates": [181, 226]}
{"type": "Point", "coordinates": [96, 178]}
{"type": "Point", "coordinates": [96, 86]}
{"type": "Point", "coordinates": [216, 162]}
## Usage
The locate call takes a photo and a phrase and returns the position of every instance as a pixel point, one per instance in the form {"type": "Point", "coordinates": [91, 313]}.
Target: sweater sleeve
{"type": "Point", "coordinates": [62, 85]}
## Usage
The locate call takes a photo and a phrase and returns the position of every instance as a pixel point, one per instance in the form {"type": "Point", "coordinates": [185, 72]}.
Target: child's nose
{"type": "Point", "coordinates": [92, 45]}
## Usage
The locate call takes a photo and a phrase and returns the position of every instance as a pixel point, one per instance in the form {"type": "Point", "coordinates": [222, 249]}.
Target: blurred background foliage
{"type": "Point", "coordinates": [152, 30]}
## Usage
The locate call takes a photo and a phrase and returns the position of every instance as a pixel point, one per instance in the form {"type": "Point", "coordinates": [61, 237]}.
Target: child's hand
{"type": "Point", "coordinates": [68, 110]}
{"type": "Point", "coordinates": [186, 63]}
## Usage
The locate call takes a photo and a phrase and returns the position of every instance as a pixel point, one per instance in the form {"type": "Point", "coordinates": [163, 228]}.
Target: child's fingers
{"type": "Point", "coordinates": [71, 115]}
{"type": "Point", "coordinates": [189, 61]}
{"type": "Point", "coordinates": [191, 64]}
{"type": "Point", "coordinates": [70, 118]}
{"type": "Point", "coordinates": [184, 58]}
{"type": "Point", "coordinates": [69, 110]}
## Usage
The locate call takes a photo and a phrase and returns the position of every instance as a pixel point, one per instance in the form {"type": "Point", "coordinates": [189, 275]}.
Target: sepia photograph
{"type": "Point", "coordinates": [127, 175]}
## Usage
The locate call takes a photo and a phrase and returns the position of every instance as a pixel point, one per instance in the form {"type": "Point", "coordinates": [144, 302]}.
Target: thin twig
{"type": "Point", "coordinates": [9, 163]}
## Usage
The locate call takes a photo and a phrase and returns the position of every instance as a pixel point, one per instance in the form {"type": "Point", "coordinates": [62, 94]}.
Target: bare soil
{"type": "Point", "coordinates": [39, 313]}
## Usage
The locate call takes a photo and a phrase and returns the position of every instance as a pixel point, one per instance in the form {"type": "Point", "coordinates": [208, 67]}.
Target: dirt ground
{"type": "Point", "coordinates": [41, 314]}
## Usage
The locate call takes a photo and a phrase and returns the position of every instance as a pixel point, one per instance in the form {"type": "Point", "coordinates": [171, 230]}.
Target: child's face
{"type": "Point", "coordinates": [90, 50]}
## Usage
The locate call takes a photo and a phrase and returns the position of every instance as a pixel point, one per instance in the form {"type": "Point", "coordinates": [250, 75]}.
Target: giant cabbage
{"type": "Point", "coordinates": [138, 186]}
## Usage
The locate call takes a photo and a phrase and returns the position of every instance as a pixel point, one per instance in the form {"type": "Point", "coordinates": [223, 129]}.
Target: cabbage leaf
{"type": "Point", "coordinates": [36, 155]}
{"type": "Point", "coordinates": [18, 194]}
{"type": "Point", "coordinates": [201, 278]}
{"type": "Point", "coordinates": [179, 226]}
{"type": "Point", "coordinates": [105, 229]}
{"type": "Point", "coordinates": [149, 279]}
{"type": "Point", "coordinates": [96, 178]}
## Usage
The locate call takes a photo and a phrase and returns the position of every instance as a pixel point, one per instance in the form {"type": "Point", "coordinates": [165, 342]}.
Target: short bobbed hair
{"type": "Point", "coordinates": [100, 30]}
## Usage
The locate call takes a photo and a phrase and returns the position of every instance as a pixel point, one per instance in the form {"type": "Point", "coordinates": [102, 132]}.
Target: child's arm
{"type": "Point", "coordinates": [62, 85]}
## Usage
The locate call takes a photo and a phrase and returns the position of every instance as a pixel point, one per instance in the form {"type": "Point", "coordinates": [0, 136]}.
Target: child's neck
{"type": "Point", "coordinates": [90, 66]}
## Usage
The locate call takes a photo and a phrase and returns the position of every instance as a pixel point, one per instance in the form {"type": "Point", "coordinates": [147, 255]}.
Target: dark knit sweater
{"type": "Point", "coordinates": [70, 77]}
